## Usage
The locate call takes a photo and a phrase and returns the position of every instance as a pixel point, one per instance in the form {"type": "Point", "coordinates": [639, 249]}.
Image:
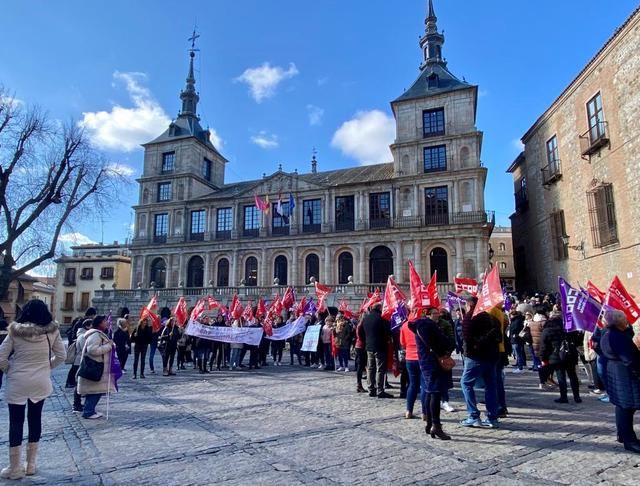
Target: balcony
{"type": "Point", "coordinates": [594, 139]}
{"type": "Point", "coordinates": [160, 238]}
{"type": "Point", "coordinates": [196, 237]}
{"type": "Point", "coordinates": [347, 225]}
{"type": "Point", "coordinates": [223, 235]}
{"type": "Point", "coordinates": [251, 232]}
{"type": "Point", "coordinates": [311, 228]}
{"type": "Point", "coordinates": [407, 222]}
{"type": "Point", "coordinates": [69, 282]}
{"type": "Point", "coordinates": [551, 173]}
{"type": "Point", "coordinates": [280, 231]}
{"type": "Point", "coordinates": [379, 223]}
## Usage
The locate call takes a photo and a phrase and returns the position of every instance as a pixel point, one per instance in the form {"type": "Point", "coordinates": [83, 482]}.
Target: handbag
{"type": "Point", "coordinates": [72, 353]}
{"type": "Point", "coordinates": [446, 362]}
{"type": "Point", "coordinates": [90, 369]}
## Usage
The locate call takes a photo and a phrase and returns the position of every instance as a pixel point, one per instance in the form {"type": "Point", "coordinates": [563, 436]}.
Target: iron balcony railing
{"type": "Point", "coordinates": [551, 173]}
{"type": "Point", "coordinates": [594, 139]}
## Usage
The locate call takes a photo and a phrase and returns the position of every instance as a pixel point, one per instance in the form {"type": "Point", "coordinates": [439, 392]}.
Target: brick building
{"type": "Point", "coordinates": [577, 182]}
{"type": "Point", "coordinates": [501, 253]}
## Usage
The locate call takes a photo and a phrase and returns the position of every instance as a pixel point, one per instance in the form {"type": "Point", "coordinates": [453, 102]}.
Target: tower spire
{"type": "Point", "coordinates": [188, 95]}
{"type": "Point", "coordinates": [432, 40]}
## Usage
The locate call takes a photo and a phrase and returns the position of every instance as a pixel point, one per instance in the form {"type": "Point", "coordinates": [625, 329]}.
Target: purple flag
{"type": "Point", "coordinates": [455, 302]}
{"type": "Point", "coordinates": [310, 308]}
{"type": "Point", "coordinates": [109, 325]}
{"type": "Point", "coordinates": [579, 309]}
{"type": "Point", "coordinates": [399, 316]}
{"type": "Point", "coordinates": [507, 300]}
{"type": "Point", "coordinates": [116, 369]}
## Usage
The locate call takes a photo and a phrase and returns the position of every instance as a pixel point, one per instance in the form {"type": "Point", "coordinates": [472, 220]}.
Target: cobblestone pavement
{"type": "Point", "coordinates": [292, 425]}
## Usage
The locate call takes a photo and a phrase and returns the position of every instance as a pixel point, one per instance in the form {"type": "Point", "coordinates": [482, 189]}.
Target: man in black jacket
{"type": "Point", "coordinates": [481, 335]}
{"type": "Point", "coordinates": [376, 334]}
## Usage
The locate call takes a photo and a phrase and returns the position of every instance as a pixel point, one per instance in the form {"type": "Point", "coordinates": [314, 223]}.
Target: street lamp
{"type": "Point", "coordinates": [491, 252]}
{"type": "Point", "coordinates": [580, 247]}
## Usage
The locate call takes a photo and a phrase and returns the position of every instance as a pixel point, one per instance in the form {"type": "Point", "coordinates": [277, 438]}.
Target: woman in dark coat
{"type": "Point", "coordinates": [432, 344]}
{"type": "Point", "coordinates": [168, 341]}
{"type": "Point", "coordinates": [123, 342]}
{"type": "Point", "coordinates": [141, 338]}
{"type": "Point", "coordinates": [623, 375]}
{"type": "Point", "coordinates": [556, 357]}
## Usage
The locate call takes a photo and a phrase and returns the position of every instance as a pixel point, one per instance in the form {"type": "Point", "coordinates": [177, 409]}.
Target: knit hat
{"type": "Point", "coordinates": [36, 312]}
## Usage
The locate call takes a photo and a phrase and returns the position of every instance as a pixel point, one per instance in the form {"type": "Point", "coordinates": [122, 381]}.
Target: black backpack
{"type": "Point", "coordinates": [567, 351]}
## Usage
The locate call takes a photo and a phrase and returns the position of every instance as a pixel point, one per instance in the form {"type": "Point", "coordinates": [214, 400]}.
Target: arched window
{"type": "Point", "coordinates": [280, 269]}
{"type": "Point", "coordinates": [438, 262]}
{"type": "Point", "coordinates": [251, 272]}
{"type": "Point", "coordinates": [502, 247]}
{"type": "Point", "coordinates": [222, 276]}
{"type": "Point", "coordinates": [380, 264]}
{"type": "Point", "coordinates": [503, 265]}
{"type": "Point", "coordinates": [311, 267]}
{"type": "Point", "coordinates": [345, 267]}
{"type": "Point", "coordinates": [195, 272]}
{"type": "Point", "coordinates": [158, 274]}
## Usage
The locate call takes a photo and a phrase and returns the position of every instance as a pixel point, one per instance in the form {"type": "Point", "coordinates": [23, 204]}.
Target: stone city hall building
{"type": "Point", "coordinates": [577, 183]}
{"type": "Point", "coordinates": [356, 225]}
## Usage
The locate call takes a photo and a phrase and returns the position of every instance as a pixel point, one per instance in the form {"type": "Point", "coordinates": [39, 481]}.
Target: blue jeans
{"type": "Point", "coordinates": [328, 357]}
{"type": "Point", "coordinates": [521, 357]}
{"type": "Point", "coordinates": [502, 396]}
{"type": "Point", "coordinates": [413, 370]}
{"type": "Point", "coordinates": [343, 357]}
{"type": "Point", "coordinates": [536, 361]}
{"type": "Point", "coordinates": [486, 370]}
{"type": "Point", "coordinates": [90, 403]}
{"type": "Point", "coordinates": [152, 354]}
{"type": "Point", "coordinates": [235, 357]}
{"type": "Point", "coordinates": [601, 367]}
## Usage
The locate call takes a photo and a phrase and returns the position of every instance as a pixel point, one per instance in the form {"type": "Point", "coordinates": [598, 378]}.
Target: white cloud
{"type": "Point", "coordinates": [123, 170]}
{"type": "Point", "coordinates": [323, 80]}
{"type": "Point", "coordinates": [76, 239]}
{"type": "Point", "coordinates": [11, 100]}
{"type": "Point", "coordinates": [517, 144]}
{"type": "Point", "coordinates": [265, 140]}
{"type": "Point", "coordinates": [366, 137]}
{"type": "Point", "coordinates": [264, 80]}
{"type": "Point", "coordinates": [315, 114]}
{"type": "Point", "coordinates": [126, 128]}
{"type": "Point", "coordinates": [215, 138]}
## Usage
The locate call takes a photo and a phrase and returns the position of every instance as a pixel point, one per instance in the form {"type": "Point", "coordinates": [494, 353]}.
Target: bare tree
{"type": "Point", "coordinates": [50, 177]}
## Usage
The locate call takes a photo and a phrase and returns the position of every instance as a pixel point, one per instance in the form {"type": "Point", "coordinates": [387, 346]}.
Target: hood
{"type": "Point", "coordinates": [30, 330]}
{"type": "Point", "coordinates": [539, 318]}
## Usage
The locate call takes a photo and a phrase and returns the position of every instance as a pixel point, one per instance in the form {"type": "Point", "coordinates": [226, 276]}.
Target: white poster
{"type": "Point", "coordinates": [311, 337]}
{"type": "Point", "coordinates": [288, 330]}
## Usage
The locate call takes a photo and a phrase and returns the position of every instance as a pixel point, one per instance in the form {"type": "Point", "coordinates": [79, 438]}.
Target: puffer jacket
{"type": "Point", "coordinates": [551, 342]}
{"type": "Point", "coordinates": [98, 346]}
{"type": "Point", "coordinates": [27, 355]}
{"type": "Point", "coordinates": [536, 327]}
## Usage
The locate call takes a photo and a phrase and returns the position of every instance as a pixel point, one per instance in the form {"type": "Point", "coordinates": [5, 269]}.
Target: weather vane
{"type": "Point", "coordinates": [193, 39]}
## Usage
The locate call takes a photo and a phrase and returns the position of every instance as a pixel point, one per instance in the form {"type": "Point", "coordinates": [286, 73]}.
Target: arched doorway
{"type": "Point", "coordinates": [311, 268]}
{"type": "Point", "coordinates": [222, 276]}
{"type": "Point", "coordinates": [345, 267]}
{"type": "Point", "coordinates": [280, 269]}
{"type": "Point", "coordinates": [438, 261]}
{"type": "Point", "coordinates": [380, 264]}
{"type": "Point", "coordinates": [251, 272]}
{"type": "Point", "coordinates": [158, 273]}
{"type": "Point", "coordinates": [195, 272]}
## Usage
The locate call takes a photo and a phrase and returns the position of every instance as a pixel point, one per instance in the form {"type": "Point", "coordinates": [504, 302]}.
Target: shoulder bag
{"type": "Point", "coordinates": [446, 362]}
{"type": "Point", "coordinates": [90, 369]}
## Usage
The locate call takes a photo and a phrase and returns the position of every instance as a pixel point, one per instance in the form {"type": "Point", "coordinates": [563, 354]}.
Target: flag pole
{"type": "Point", "coordinates": [109, 384]}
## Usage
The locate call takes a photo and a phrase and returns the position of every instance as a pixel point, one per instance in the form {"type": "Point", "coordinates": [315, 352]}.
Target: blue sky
{"type": "Point", "coordinates": [118, 66]}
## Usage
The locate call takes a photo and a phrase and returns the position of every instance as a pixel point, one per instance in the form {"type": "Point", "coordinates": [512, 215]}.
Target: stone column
{"type": "Point", "coordinates": [234, 271]}
{"type": "Point", "coordinates": [207, 269]}
{"type": "Point", "coordinates": [395, 204]}
{"type": "Point", "coordinates": [236, 227]}
{"type": "Point", "coordinates": [362, 261]}
{"type": "Point", "coordinates": [397, 262]}
{"type": "Point", "coordinates": [417, 256]}
{"type": "Point", "coordinates": [480, 263]}
{"type": "Point", "coordinates": [416, 200]}
{"type": "Point", "coordinates": [181, 272]}
{"type": "Point", "coordinates": [460, 257]}
{"type": "Point", "coordinates": [294, 266]}
{"type": "Point", "coordinates": [455, 197]}
{"type": "Point", "coordinates": [328, 276]}
{"type": "Point", "coordinates": [265, 270]}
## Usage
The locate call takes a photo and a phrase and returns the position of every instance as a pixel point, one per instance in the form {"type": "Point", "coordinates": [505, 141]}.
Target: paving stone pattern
{"type": "Point", "coordinates": [292, 425]}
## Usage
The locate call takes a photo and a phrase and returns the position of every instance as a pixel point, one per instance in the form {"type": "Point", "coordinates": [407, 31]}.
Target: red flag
{"type": "Point", "coordinates": [420, 297]}
{"type": "Point", "coordinates": [334, 347]}
{"type": "Point", "coordinates": [224, 311]}
{"type": "Point", "coordinates": [276, 306]}
{"type": "Point", "coordinates": [261, 310]}
{"type": "Point", "coordinates": [213, 303]}
{"type": "Point", "coordinates": [197, 310]}
{"type": "Point", "coordinates": [343, 308]}
{"type": "Point", "coordinates": [491, 294]}
{"type": "Point", "coordinates": [236, 307]}
{"type": "Point", "coordinates": [392, 297]}
{"type": "Point", "coordinates": [288, 299]}
{"type": "Point", "coordinates": [466, 285]}
{"type": "Point", "coordinates": [180, 311]}
{"type": "Point", "coordinates": [373, 299]}
{"type": "Point", "coordinates": [432, 290]}
{"type": "Point", "coordinates": [248, 312]}
{"type": "Point", "coordinates": [262, 205]}
{"type": "Point", "coordinates": [321, 293]}
{"type": "Point", "coordinates": [618, 298]}
{"type": "Point", "coordinates": [267, 325]}
{"type": "Point", "coordinates": [148, 312]}
{"type": "Point", "coordinates": [595, 292]}
{"type": "Point", "coordinates": [301, 305]}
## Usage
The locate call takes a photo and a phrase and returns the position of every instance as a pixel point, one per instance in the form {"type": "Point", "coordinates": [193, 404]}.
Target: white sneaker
{"type": "Point", "coordinates": [447, 407]}
{"type": "Point", "coordinates": [320, 367]}
{"type": "Point", "coordinates": [517, 371]}
{"type": "Point", "coordinates": [339, 369]}
{"type": "Point", "coordinates": [96, 415]}
{"type": "Point", "coordinates": [346, 370]}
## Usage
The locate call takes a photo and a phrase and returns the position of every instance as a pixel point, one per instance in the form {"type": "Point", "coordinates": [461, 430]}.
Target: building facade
{"type": "Point", "coordinates": [88, 269]}
{"type": "Point", "coordinates": [23, 289]}
{"type": "Point", "coordinates": [356, 225]}
{"type": "Point", "coordinates": [577, 182]}
{"type": "Point", "coordinates": [501, 254]}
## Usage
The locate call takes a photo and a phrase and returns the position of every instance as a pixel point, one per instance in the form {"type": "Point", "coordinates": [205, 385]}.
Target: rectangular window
{"type": "Point", "coordinates": [379, 210]}
{"type": "Point", "coordinates": [552, 150]}
{"type": "Point", "coordinates": [595, 116]}
{"type": "Point", "coordinates": [345, 213]}
{"type": "Point", "coordinates": [164, 191]}
{"type": "Point", "coordinates": [69, 276]}
{"type": "Point", "coordinates": [435, 158]}
{"type": "Point", "coordinates": [84, 301]}
{"type": "Point", "coordinates": [436, 205]}
{"type": "Point", "coordinates": [433, 122]}
{"type": "Point", "coordinates": [280, 222]}
{"type": "Point", "coordinates": [198, 220]}
{"type": "Point", "coordinates": [206, 169]}
{"type": "Point", "coordinates": [86, 274]}
{"type": "Point", "coordinates": [602, 215]}
{"type": "Point", "coordinates": [552, 171]}
{"type": "Point", "coordinates": [168, 162]}
{"type": "Point", "coordinates": [224, 223]}
{"type": "Point", "coordinates": [311, 216]}
{"type": "Point", "coordinates": [251, 221]}
{"type": "Point", "coordinates": [106, 273]}
{"type": "Point", "coordinates": [161, 228]}
{"type": "Point", "coordinates": [558, 233]}
{"type": "Point", "coordinates": [68, 301]}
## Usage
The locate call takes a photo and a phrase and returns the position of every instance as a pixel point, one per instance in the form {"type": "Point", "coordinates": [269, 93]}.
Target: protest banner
{"type": "Point", "coordinates": [288, 330]}
{"type": "Point", "coordinates": [311, 337]}
{"type": "Point", "coordinates": [245, 335]}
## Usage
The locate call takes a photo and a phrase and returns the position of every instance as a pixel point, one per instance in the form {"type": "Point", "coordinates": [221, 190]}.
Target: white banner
{"type": "Point", "coordinates": [288, 330]}
{"type": "Point", "coordinates": [310, 342]}
{"type": "Point", "coordinates": [245, 335]}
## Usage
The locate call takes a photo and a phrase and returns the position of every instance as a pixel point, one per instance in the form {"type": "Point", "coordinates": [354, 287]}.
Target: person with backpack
{"type": "Point", "coordinates": [559, 354]}
{"type": "Point", "coordinates": [72, 336]}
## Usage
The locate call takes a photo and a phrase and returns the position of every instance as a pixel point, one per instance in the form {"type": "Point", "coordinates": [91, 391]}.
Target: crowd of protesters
{"type": "Point", "coordinates": [418, 352]}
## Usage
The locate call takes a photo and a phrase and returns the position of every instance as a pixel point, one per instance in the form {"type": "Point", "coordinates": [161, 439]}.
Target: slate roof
{"type": "Point", "coordinates": [420, 88]}
{"type": "Point", "coordinates": [331, 178]}
{"type": "Point", "coordinates": [183, 127]}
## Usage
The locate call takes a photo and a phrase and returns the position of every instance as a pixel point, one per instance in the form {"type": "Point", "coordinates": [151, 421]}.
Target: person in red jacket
{"type": "Point", "coordinates": [361, 355]}
{"type": "Point", "coordinates": [410, 351]}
